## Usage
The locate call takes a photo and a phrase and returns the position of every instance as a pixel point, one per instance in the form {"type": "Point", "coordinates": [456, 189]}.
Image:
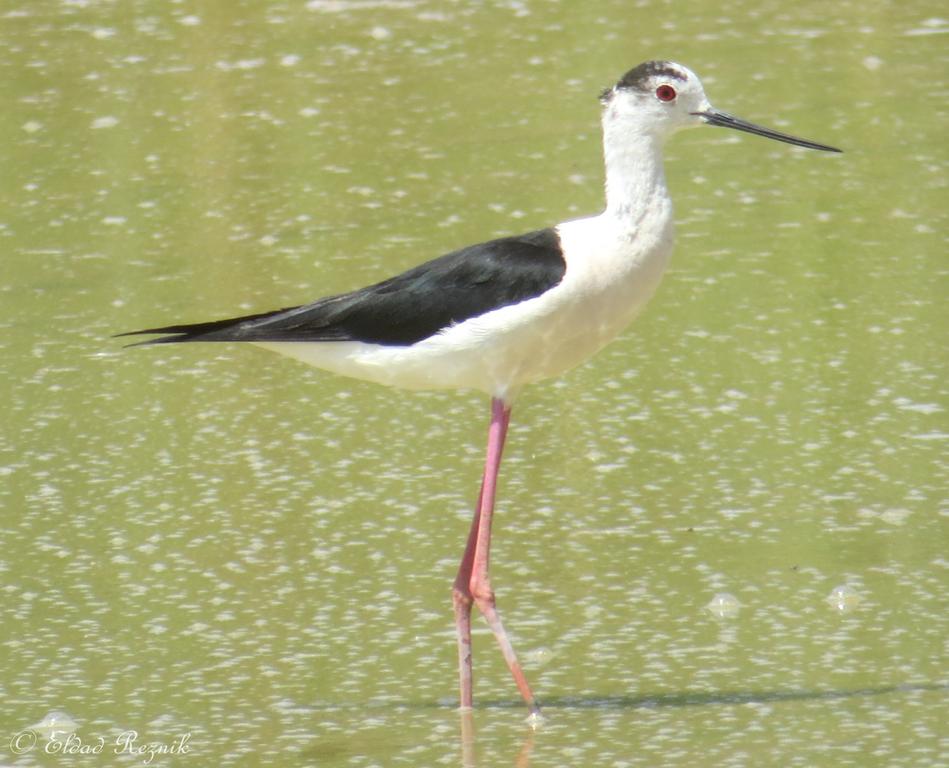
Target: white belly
{"type": "Point", "coordinates": [609, 278]}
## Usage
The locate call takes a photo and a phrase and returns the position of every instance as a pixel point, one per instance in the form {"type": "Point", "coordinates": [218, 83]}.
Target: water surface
{"type": "Point", "coordinates": [223, 544]}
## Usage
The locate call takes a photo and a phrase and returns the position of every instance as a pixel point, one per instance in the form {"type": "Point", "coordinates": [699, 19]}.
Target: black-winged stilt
{"type": "Point", "coordinates": [505, 313]}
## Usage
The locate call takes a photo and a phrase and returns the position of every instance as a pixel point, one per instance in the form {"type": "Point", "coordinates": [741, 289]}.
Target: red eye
{"type": "Point", "coordinates": [665, 93]}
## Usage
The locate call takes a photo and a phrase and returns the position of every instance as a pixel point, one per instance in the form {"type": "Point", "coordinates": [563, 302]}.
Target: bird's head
{"type": "Point", "coordinates": [658, 98]}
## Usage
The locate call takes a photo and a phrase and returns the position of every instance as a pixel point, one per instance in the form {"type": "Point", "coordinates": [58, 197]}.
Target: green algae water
{"type": "Point", "coordinates": [721, 542]}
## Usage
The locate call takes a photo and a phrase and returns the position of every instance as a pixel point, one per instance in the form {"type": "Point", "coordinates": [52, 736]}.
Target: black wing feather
{"type": "Point", "coordinates": [408, 307]}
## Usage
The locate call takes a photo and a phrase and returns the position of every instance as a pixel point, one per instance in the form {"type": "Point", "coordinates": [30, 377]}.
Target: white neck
{"type": "Point", "coordinates": [635, 180]}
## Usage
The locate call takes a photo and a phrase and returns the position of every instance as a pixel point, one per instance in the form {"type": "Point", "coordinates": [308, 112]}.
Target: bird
{"type": "Point", "coordinates": [502, 314]}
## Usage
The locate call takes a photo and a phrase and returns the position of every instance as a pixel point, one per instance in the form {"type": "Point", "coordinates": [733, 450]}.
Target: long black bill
{"type": "Point", "coordinates": [725, 120]}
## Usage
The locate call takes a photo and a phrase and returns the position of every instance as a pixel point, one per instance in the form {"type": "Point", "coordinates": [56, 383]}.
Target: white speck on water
{"type": "Point", "coordinates": [32, 126]}
{"type": "Point", "coordinates": [240, 64]}
{"type": "Point", "coordinates": [380, 33]}
{"type": "Point", "coordinates": [57, 723]}
{"type": "Point", "coordinates": [190, 20]}
{"type": "Point", "coordinates": [899, 213]}
{"type": "Point", "coordinates": [933, 26]}
{"type": "Point", "coordinates": [844, 598]}
{"type": "Point", "coordinates": [893, 516]}
{"type": "Point", "coordinates": [930, 436]}
{"type": "Point", "coordinates": [290, 60]}
{"type": "Point", "coordinates": [873, 63]}
{"type": "Point", "coordinates": [108, 121]}
{"type": "Point", "coordinates": [539, 657]}
{"type": "Point", "coordinates": [724, 606]}
{"type": "Point", "coordinates": [535, 720]}
{"type": "Point", "coordinates": [905, 404]}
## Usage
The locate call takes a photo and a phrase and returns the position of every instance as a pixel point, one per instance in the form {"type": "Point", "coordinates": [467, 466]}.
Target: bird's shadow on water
{"type": "Point", "coordinates": [640, 701]}
{"type": "Point", "coordinates": [713, 698]}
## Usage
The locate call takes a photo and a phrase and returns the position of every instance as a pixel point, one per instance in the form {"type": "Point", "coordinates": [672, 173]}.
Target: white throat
{"type": "Point", "coordinates": [635, 179]}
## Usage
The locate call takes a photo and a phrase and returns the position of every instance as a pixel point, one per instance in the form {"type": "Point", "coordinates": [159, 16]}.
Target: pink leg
{"type": "Point", "coordinates": [461, 600]}
{"type": "Point", "coordinates": [473, 582]}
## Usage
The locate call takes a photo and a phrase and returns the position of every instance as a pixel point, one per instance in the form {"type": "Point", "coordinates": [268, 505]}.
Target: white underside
{"type": "Point", "coordinates": [611, 274]}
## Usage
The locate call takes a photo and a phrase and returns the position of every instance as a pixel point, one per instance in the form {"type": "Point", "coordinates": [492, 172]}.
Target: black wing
{"type": "Point", "coordinates": [408, 307]}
